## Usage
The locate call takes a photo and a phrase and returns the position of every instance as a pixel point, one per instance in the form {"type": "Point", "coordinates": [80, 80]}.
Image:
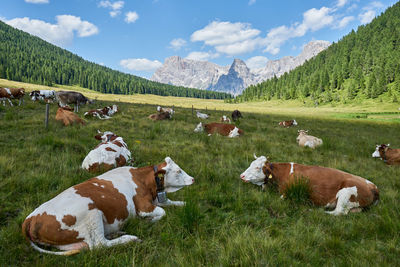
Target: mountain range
{"type": "Point", "coordinates": [230, 79]}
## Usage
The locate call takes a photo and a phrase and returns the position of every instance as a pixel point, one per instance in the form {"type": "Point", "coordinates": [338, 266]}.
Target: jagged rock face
{"type": "Point", "coordinates": [233, 79]}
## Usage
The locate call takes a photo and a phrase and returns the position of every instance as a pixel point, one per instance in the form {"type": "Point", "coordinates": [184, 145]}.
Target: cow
{"type": "Point", "coordinates": [331, 188]}
{"type": "Point", "coordinates": [306, 140]}
{"type": "Point", "coordinates": [110, 153]}
{"type": "Point", "coordinates": [67, 117]}
{"type": "Point", "coordinates": [47, 96]}
{"type": "Point", "coordinates": [83, 215]}
{"type": "Point", "coordinates": [169, 110]}
{"type": "Point", "coordinates": [160, 116]}
{"type": "Point", "coordinates": [12, 93]}
{"type": "Point", "coordinates": [104, 113]}
{"type": "Point", "coordinates": [288, 124]}
{"type": "Point", "coordinates": [236, 115]}
{"type": "Point", "coordinates": [202, 115]}
{"type": "Point", "coordinates": [71, 97]}
{"type": "Point", "coordinates": [389, 155]}
{"type": "Point", "coordinates": [220, 128]}
{"type": "Point", "coordinates": [225, 119]}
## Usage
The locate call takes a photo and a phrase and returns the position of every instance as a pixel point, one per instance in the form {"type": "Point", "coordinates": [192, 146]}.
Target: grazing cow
{"type": "Point", "coordinates": [47, 96]}
{"type": "Point", "coordinates": [202, 115]}
{"type": "Point", "coordinates": [160, 116]}
{"type": "Point", "coordinates": [11, 93]}
{"type": "Point", "coordinates": [71, 97]}
{"type": "Point", "coordinates": [104, 113]}
{"type": "Point", "coordinates": [331, 188]}
{"type": "Point", "coordinates": [110, 153]}
{"type": "Point", "coordinates": [389, 155]}
{"type": "Point", "coordinates": [84, 214]}
{"type": "Point", "coordinates": [169, 110]}
{"type": "Point", "coordinates": [306, 140]}
{"type": "Point", "coordinates": [287, 124]}
{"type": "Point", "coordinates": [220, 128]}
{"type": "Point", "coordinates": [236, 115]}
{"type": "Point", "coordinates": [225, 119]}
{"type": "Point", "coordinates": [67, 117]}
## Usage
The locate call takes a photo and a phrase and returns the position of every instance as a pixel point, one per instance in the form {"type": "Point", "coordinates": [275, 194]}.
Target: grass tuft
{"type": "Point", "coordinates": [298, 190]}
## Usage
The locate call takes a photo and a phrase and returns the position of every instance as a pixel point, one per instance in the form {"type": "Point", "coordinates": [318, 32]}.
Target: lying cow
{"type": "Point", "coordinates": [236, 115]}
{"type": "Point", "coordinates": [225, 119]}
{"type": "Point", "coordinates": [110, 153]}
{"type": "Point", "coordinates": [329, 187]}
{"type": "Point", "coordinates": [306, 140]}
{"type": "Point", "coordinates": [202, 115]}
{"type": "Point", "coordinates": [104, 113]}
{"type": "Point", "coordinates": [47, 96]}
{"type": "Point", "coordinates": [67, 117]}
{"type": "Point", "coordinates": [169, 110]}
{"type": "Point", "coordinates": [287, 124]}
{"type": "Point", "coordinates": [83, 215]}
{"type": "Point", "coordinates": [12, 93]}
{"type": "Point", "coordinates": [389, 155]}
{"type": "Point", "coordinates": [160, 116]}
{"type": "Point", "coordinates": [71, 97]}
{"type": "Point", "coordinates": [220, 128]}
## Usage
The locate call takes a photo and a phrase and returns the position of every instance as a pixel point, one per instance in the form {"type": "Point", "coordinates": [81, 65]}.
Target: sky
{"type": "Point", "coordinates": [136, 36]}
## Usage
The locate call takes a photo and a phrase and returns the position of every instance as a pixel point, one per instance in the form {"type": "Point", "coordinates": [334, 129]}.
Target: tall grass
{"type": "Point", "coordinates": [225, 222]}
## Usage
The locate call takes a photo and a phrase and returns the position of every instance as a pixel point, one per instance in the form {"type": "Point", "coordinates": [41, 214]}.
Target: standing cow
{"type": "Point", "coordinates": [71, 97]}
{"type": "Point", "coordinates": [236, 115]}
{"type": "Point", "coordinates": [45, 95]}
{"type": "Point", "coordinates": [11, 93]}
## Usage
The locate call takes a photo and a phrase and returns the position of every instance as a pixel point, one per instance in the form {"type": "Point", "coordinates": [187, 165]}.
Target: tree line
{"type": "Point", "coordinates": [364, 63]}
{"type": "Point", "coordinates": [27, 58]}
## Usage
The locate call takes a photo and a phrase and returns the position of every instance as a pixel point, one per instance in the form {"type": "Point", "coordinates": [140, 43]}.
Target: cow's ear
{"type": "Point", "coordinates": [98, 137]}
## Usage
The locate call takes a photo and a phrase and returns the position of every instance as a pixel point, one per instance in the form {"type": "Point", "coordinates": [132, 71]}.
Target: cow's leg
{"type": "Point", "coordinates": [155, 215]}
{"type": "Point", "coordinates": [170, 203]}
{"type": "Point", "coordinates": [9, 101]}
{"type": "Point", "coordinates": [344, 205]}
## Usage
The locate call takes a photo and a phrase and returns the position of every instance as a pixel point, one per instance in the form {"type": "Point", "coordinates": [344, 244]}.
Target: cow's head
{"type": "Point", "coordinates": [376, 152]}
{"type": "Point", "coordinates": [294, 122]}
{"type": "Point", "coordinates": [199, 128]}
{"type": "Point", "coordinates": [234, 132]}
{"type": "Point", "coordinates": [159, 109]}
{"type": "Point", "coordinates": [301, 133]}
{"type": "Point", "coordinates": [106, 136]}
{"type": "Point", "coordinates": [175, 178]}
{"type": "Point", "coordinates": [257, 171]}
{"type": "Point", "coordinates": [114, 108]}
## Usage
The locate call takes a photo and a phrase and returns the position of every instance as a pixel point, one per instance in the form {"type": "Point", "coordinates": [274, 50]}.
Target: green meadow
{"type": "Point", "coordinates": [225, 222]}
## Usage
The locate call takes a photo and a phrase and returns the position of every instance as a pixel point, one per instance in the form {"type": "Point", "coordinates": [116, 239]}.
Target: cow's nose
{"type": "Point", "coordinates": [242, 176]}
{"type": "Point", "coordinates": [192, 180]}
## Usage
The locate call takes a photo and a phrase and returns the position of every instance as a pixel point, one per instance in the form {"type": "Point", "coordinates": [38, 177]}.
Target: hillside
{"type": "Point", "coordinates": [364, 64]}
{"type": "Point", "coordinates": [27, 58]}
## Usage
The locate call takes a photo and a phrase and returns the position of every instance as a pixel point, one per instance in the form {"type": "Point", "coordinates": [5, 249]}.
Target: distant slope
{"type": "Point", "coordinates": [27, 58]}
{"type": "Point", "coordinates": [363, 64]}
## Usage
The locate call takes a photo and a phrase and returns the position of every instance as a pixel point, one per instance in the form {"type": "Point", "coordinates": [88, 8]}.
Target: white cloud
{"type": "Point", "coordinates": [256, 62]}
{"type": "Point", "coordinates": [202, 56]}
{"type": "Point", "coordinates": [61, 33]}
{"type": "Point", "coordinates": [367, 16]}
{"type": "Point", "coordinates": [140, 64]}
{"type": "Point", "coordinates": [251, 2]}
{"type": "Point", "coordinates": [114, 6]}
{"type": "Point", "coordinates": [131, 17]}
{"type": "Point", "coordinates": [316, 19]}
{"type": "Point", "coordinates": [37, 1]}
{"type": "Point", "coordinates": [343, 22]}
{"type": "Point", "coordinates": [177, 43]}
{"type": "Point", "coordinates": [341, 3]}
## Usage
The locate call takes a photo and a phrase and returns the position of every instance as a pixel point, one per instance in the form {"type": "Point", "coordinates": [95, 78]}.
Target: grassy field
{"type": "Point", "coordinates": [225, 222]}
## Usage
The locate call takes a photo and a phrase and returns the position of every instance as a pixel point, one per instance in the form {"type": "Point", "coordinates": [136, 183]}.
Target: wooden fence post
{"type": "Point", "coordinates": [46, 119]}
{"type": "Point", "coordinates": [192, 110]}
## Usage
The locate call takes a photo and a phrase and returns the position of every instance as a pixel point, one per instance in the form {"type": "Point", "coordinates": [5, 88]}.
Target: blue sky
{"type": "Point", "coordinates": [136, 36]}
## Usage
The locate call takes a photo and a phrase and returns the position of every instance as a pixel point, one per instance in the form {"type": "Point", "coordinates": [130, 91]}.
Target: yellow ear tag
{"type": "Point", "coordinates": [270, 176]}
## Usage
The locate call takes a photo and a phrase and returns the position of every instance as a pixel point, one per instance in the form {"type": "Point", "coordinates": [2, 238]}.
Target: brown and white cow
{"type": "Point", "coordinates": [160, 116]}
{"type": "Point", "coordinates": [169, 110]}
{"type": "Point", "coordinates": [104, 113]}
{"type": "Point", "coordinates": [67, 117]}
{"type": "Point", "coordinates": [229, 130]}
{"type": "Point", "coordinates": [225, 119]}
{"type": "Point", "coordinates": [110, 153]}
{"type": "Point", "coordinates": [12, 93]}
{"type": "Point", "coordinates": [288, 123]}
{"type": "Point", "coordinates": [389, 155]}
{"type": "Point", "coordinates": [306, 140]}
{"type": "Point", "coordinates": [83, 215]}
{"type": "Point", "coordinates": [331, 188]}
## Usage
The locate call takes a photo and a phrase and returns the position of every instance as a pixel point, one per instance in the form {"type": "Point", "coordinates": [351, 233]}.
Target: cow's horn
{"type": "Point", "coordinates": [388, 144]}
{"type": "Point", "coordinates": [254, 154]}
{"type": "Point", "coordinates": [98, 131]}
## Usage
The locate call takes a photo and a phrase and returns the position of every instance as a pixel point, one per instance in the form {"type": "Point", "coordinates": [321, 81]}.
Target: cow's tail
{"type": "Point", "coordinates": [375, 192]}
{"type": "Point", "coordinates": [25, 231]}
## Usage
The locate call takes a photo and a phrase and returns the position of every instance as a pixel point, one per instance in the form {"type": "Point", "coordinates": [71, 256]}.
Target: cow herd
{"type": "Point", "coordinates": [83, 216]}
